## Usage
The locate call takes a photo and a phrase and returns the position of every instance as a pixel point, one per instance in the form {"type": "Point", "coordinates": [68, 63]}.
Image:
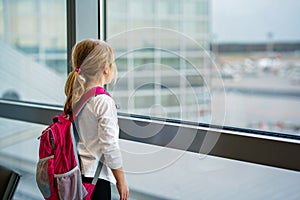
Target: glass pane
{"type": "Point", "coordinates": [160, 42]}
{"type": "Point", "coordinates": [238, 66]}
{"type": "Point", "coordinates": [258, 57]}
{"type": "Point", "coordinates": [163, 173]}
{"type": "Point", "coordinates": [33, 50]}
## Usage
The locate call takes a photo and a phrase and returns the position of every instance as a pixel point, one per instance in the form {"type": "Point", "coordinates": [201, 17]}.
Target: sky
{"type": "Point", "coordinates": [254, 20]}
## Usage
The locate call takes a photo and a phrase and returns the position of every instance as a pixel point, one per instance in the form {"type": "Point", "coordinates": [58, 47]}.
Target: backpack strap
{"type": "Point", "coordinates": [86, 97]}
{"type": "Point", "coordinates": [100, 163]}
{"type": "Point", "coordinates": [82, 102]}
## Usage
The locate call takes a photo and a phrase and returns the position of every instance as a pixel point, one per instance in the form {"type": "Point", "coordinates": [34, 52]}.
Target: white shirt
{"type": "Point", "coordinates": [99, 134]}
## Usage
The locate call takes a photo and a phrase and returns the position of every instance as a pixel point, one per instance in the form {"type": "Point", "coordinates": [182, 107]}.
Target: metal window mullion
{"type": "Point", "coordinates": [71, 31]}
{"type": "Point", "coordinates": [102, 16]}
{"type": "Point", "coordinates": [82, 23]}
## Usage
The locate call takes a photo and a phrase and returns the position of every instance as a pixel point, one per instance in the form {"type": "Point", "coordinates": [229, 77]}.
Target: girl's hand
{"type": "Point", "coordinates": [123, 190]}
{"type": "Point", "coordinates": [121, 183]}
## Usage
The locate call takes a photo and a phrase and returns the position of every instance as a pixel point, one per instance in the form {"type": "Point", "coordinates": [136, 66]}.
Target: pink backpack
{"type": "Point", "coordinates": [58, 173]}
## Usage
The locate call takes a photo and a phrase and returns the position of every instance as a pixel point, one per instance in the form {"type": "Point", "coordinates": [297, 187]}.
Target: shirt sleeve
{"type": "Point", "coordinates": [108, 131]}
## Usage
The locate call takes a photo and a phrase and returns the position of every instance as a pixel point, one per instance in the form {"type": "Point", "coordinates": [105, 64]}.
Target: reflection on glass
{"type": "Point", "coordinates": [33, 50]}
{"type": "Point", "coordinates": [161, 44]}
{"type": "Point", "coordinates": [256, 63]}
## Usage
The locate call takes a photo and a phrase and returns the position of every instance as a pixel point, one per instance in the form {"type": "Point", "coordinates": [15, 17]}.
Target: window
{"type": "Point", "coordinates": [165, 66]}
{"type": "Point", "coordinates": [33, 68]}
{"type": "Point", "coordinates": [33, 50]}
{"type": "Point", "coordinates": [237, 64]}
{"type": "Point", "coordinates": [257, 50]}
{"type": "Point", "coordinates": [167, 69]}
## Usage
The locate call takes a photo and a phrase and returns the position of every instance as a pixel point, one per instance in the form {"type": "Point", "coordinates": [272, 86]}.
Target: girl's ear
{"type": "Point", "coordinates": [106, 70]}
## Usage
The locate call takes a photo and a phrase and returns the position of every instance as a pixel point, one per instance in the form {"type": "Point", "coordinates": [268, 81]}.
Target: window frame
{"type": "Point", "coordinates": [260, 147]}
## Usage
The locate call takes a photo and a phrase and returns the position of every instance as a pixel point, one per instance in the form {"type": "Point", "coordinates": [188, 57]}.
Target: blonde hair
{"type": "Point", "coordinates": [88, 58]}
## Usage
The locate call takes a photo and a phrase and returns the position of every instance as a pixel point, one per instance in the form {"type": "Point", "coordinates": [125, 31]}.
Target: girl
{"type": "Point", "coordinates": [98, 131]}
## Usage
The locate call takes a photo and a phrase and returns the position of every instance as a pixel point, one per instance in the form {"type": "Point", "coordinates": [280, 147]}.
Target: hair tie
{"type": "Point", "coordinates": [78, 70]}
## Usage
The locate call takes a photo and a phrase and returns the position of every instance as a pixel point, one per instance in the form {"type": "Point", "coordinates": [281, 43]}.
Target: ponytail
{"type": "Point", "coordinates": [74, 89]}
